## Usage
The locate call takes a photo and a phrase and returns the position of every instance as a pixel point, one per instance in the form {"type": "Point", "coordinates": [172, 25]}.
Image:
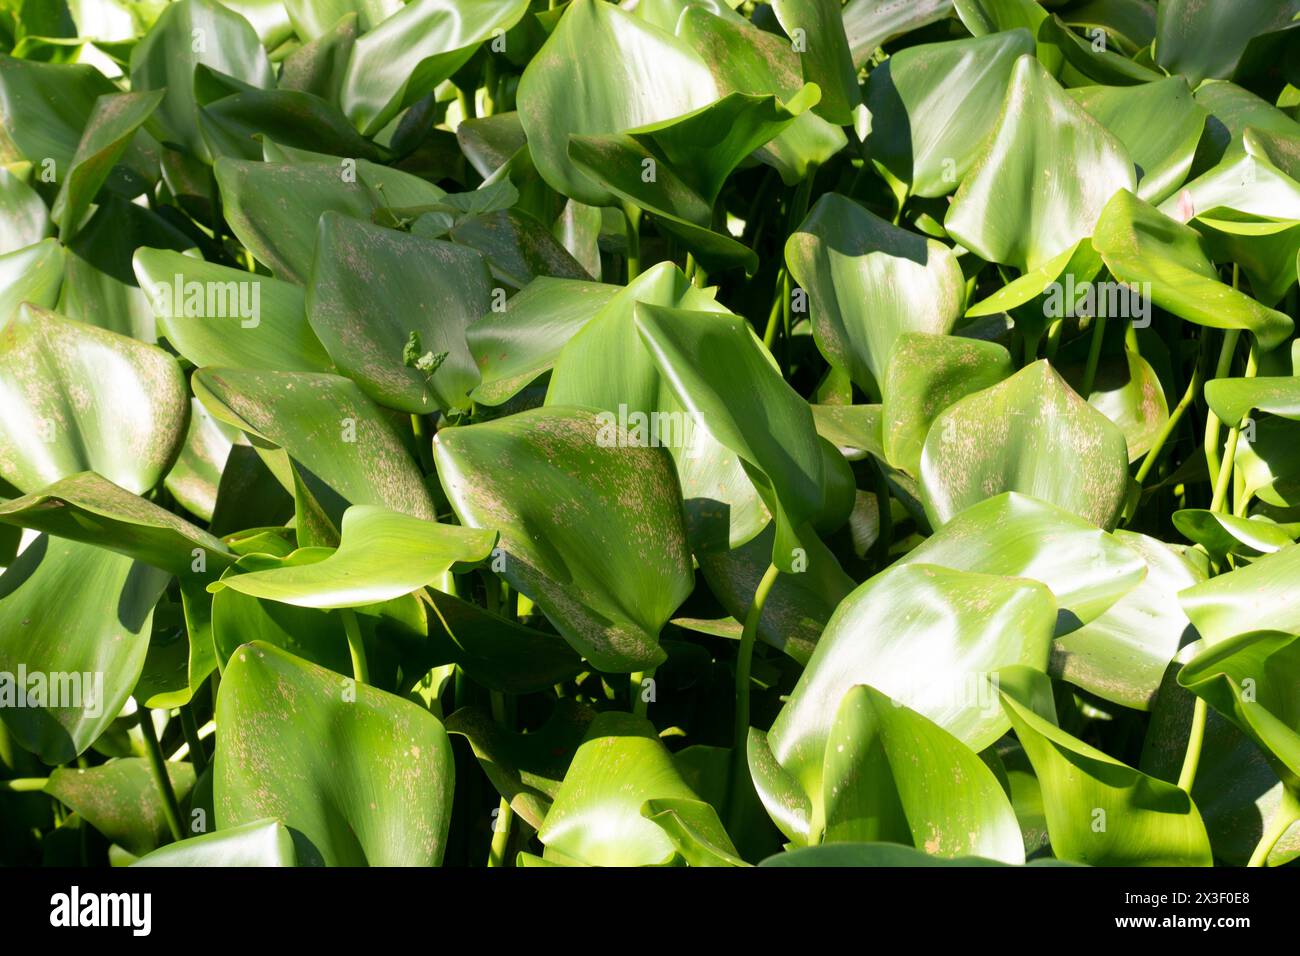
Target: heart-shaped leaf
{"type": "Point", "coordinates": [1032, 434]}
{"type": "Point", "coordinates": [359, 777]}
{"type": "Point", "coordinates": [593, 532]}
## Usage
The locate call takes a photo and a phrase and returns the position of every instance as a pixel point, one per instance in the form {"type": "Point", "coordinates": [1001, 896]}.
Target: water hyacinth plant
{"type": "Point", "coordinates": [680, 432]}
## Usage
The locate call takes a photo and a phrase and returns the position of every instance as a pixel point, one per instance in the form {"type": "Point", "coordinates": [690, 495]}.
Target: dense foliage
{"type": "Point", "coordinates": [518, 433]}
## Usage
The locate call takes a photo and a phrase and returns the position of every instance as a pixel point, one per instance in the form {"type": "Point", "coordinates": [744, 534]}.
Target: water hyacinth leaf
{"type": "Point", "coordinates": [1127, 390]}
{"type": "Point", "coordinates": [1259, 596]}
{"type": "Point", "coordinates": [1160, 125]}
{"type": "Point", "coordinates": [926, 374]}
{"type": "Point", "coordinates": [497, 652]}
{"type": "Point", "coordinates": [515, 345]}
{"type": "Point", "coordinates": [1102, 812]}
{"type": "Point", "coordinates": [517, 245]}
{"type": "Point", "coordinates": [1233, 399]}
{"type": "Point", "coordinates": [234, 124]}
{"type": "Point", "coordinates": [438, 289]}
{"type": "Point", "coordinates": [260, 843]}
{"type": "Point", "coordinates": [868, 282]}
{"type": "Point", "coordinates": [1012, 534]}
{"type": "Point", "coordinates": [360, 779]}
{"type": "Point", "coordinates": [108, 134]}
{"type": "Point", "coordinates": [885, 778]}
{"type": "Point", "coordinates": [596, 816]}
{"type": "Point", "coordinates": [696, 832]}
{"type": "Point", "coordinates": [1121, 655]}
{"type": "Point", "coordinates": [1142, 246]}
{"type": "Point", "coordinates": [973, 623]}
{"type": "Point", "coordinates": [607, 366]}
{"type": "Point", "coordinates": [816, 31]}
{"type": "Point", "coordinates": [353, 449]}
{"type": "Point", "coordinates": [565, 92]}
{"type": "Point", "coordinates": [87, 507]}
{"type": "Point", "coordinates": [120, 799]}
{"type": "Point", "coordinates": [1042, 178]}
{"type": "Point", "coordinates": [411, 52]}
{"type": "Point", "coordinates": [746, 59]}
{"type": "Point", "coordinates": [45, 107]}
{"type": "Point", "coordinates": [751, 410]}
{"type": "Point", "coordinates": [215, 315]}
{"type": "Point", "coordinates": [1222, 534]}
{"type": "Point", "coordinates": [1032, 434]}
{"type": "Point", "coordinates": [196, 476]}
{"type": "Point", "coordinates": [85, 399]}
{"type": "Point", "coordinates": [31, 274]}
{"type": "Point", "coordinates": [24, 218]}
{"type": "Point", "coordinates": [914, 95]}
{"type": "Point", "coordinates": [610, 565]}
{"type": "Point", "coordinates": [856, 430]}
{"type": "Point", "coordinates": [383, 555]}
{"type": "Point", "coordinates": [1207, 39]}
{"type": "Point", "coordinates": [189, 33]}
{"type": "Point", "coordinates": [526, 769]}
{"type": "Point", "coordinates": [1254, 680]}
{"type": "Point", "coordinates": [274, 207]}
{"type": "Point", "coordinates": [1074, 269]}
{"type": "Point", "coordinates": [312, 19]}
{"type": "Point", "coordinates": [890, 855]}
{"type": "Point", "coordinates": [83, 615]}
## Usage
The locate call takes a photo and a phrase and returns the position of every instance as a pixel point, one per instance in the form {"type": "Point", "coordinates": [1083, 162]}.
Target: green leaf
{"type": "Point", "coordinates": [31, 274]}
{"type": "Point", "coordinates": [1233, 399]}
{"type": "Point", "coordinates": [1121, 655]}
{"type": "Point", "coordinates": [121, 800]}
{"type": "Point", "coordinates": [889, 855]}
{"type": "Point", "coordinates": [274, 207]}
{"type": "Point", "coordinates": [1042, 177]}
{"type": "Point", "coordinates": [592, 532]}
{"type": "Point", "coordinates": [260, 843]}
{"type": "Point", "coordinates": [816, 31]}
{"type": "Point", "coordinates": [215, 315]}
{"type": "Point", "coordinates": [1254, 680]}
{"type": "Point", "coordinates": [888, 777]}
{"type": "Point", "coordinates": [749, 408]}
{"type": "Point", "coordinates": [1222, 534]}
{"type": "Point", "coordinates": [1032, 434]}
{"type": "Point", "coordinates": [77, 615]}
{"type": "Point", "coordinates": [926, 374]}
{"type": "Point", "coordinates": [1160, 125]}
{"type": "Point", "coordinates": [383, 555]}
{"type": "Point", "coordinates": [344, 443]}
{"type": "Point", "coordinates": [1206, 38]}
{"type": "Point", "coordinates": [45, 107]}
{"type": "Point", "coordinates": [596, 818]}
{"type": "Point", "coordinates": [566, 91]}
{"type": "Point", "coordinates": [868, 282]}
{"type": "Point", "coordinates": [434, 288]}
{"type": "Point", "coordinates": [1102, 812]}
{"type": "Point", "coordinates": [1015, 535]}
{"type": "Point", "coordinates": [1127, 390]}
{"type": "Point", "coordinates": [411, 52]}
{"type": "Point", "coordinates": [189, 33]}
{"type": "Point", "coordinates": [515, 345]}
{"type": "Point", "coordinates": [1260, 596]}
{"type": "Point", "coordinates": [928, 637]}
{"type": "Point", "coordinates": [1141, 245]}
{"type": "Point", "coordinates": [84, 399]}
{"type": "Point", "coordinates": [916, 95]}
{"type": "Point", "coordinates": [106, 137]}
{"type": "Point", "coordinates": [359, 777]}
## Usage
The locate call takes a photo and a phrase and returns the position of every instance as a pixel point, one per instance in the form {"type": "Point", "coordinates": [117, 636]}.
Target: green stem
{"type": "Point", "coordinates": [1094, 355]}
{"type": "Point", "coordinates": [505, 815]}
{"type": "Point", "coordinates": [158, 767]}
{"type": "Point", "coordinates": [1192, 756]}
{"type": "Point", "coordinates": [1053, 338]}
{"type": "Point", "coordinates": [633, 214]}
{"type": "Point", "coordinates": [356, 645]}
{"type": "Point", "coordinates": [1286, 814]}
{"type": "Point", "coordinates": [744, 666]}
{"type": "Point", "coordinates": [639, 704]}
{"type": "Point", "coordinates": [422, 444]}
{"type": "Point", "coordinates": [1153, 455]}
{"type": "Point", "coordinates": [191, 729]}
{"type": "Point", "coordinates": [24, 785]}
{"type": "Point", "coordinates": [1223, 481]}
